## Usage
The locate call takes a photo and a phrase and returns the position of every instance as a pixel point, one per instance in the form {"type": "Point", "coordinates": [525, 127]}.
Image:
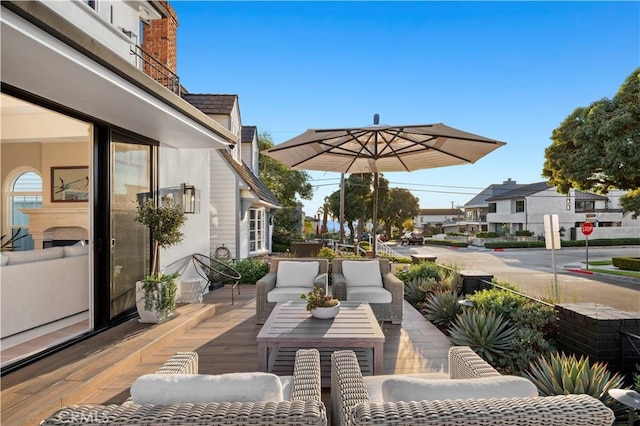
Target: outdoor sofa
{"type": "Point", "coordinates": [358, 400]}
{"type": "Point", "coordinates": [300, 403]}
{"type": "Point", "coordinates": [371, 281]}
{"type": "Point", "coordinates": [286, 280]}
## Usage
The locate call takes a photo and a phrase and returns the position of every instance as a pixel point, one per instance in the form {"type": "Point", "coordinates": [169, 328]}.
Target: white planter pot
{"type": "Point", "coordinates": [148, 316]}
{"type": "Point", "coordinates": [326, 313]}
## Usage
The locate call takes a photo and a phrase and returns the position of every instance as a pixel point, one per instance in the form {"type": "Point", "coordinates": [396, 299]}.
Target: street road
{"type": "Point", "coordinates": [531, 271]}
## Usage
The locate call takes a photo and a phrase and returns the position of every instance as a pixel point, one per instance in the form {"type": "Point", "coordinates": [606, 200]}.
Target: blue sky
{"type": "Point", "coordinates": [511, 71]}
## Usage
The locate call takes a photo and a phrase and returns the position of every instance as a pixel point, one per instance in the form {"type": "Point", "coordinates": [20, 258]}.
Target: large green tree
{"type": "Point", "coordinates": [287, 185]}
{"type": "Point", "coordinates": [597, 148]}
{"type": "Point", "coordinates": [401, 206]}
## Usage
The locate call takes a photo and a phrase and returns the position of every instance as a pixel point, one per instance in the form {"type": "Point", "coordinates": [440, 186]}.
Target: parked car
{"type": "Point", "coordinates": [412, 238]}
{"type": "Point", "coordinates": [383, 237]}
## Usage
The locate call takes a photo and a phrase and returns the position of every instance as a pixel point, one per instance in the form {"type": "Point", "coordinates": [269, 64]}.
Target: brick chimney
{"type": "Point", "coordinates": [160, 41]}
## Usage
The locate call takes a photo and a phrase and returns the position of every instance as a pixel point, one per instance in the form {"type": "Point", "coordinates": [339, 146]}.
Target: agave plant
{"type": "Point", "coordinates": [488, 334]}
{"type": "Point", "coordinates": [560, 374]}
{"type": "Point", "coordinates": [415, 291]}
{"type": "Point", "coordinates": [442, 308]}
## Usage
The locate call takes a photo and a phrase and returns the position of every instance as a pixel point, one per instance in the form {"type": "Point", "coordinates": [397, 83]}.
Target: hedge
{"type": "Point", "coordinates": [627, 263]}
{"type": "Point", "coordinates": [564, 243]}
{"type": "Point", "coordinates": [446, 243]}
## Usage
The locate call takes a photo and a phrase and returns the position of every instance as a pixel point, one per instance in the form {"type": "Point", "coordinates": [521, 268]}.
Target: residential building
{"type": "Point", "coordinates": [241, 204]}
{"type": "Point", "coordinates": [92, 120]}
{"type": "Point", "coordinates": [477, 208]}
{"type": "Point", "coordinates": [524, 207]}
{"type": "Point", "coordinates": [442, 220]}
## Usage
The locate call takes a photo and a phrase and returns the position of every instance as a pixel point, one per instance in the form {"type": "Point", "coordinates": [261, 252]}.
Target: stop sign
{"type": "Point", "coordinates": [587, 228]}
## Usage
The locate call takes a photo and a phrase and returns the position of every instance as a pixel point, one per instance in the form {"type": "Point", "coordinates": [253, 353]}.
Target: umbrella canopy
{"type": "Point", "coordinates": [377, 149]}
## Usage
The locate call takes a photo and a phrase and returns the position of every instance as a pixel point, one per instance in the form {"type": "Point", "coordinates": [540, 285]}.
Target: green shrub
{"type": "Point", "coordinates": [421, 270]}
{"type": "Point", "coordinates": [499, 301]}
{"type": "Point", "coordinates": [485, 234]}
{"type": "Point", "coordinates": [528, 345]}
{"type": "Point", "coordinates": [559, 374]}
{"type": "Point", "coordinates": [524, 233]}
{"type": "Point", "coordinates": [251, 270]}
{"type": "Point", "coordinates": [514, 244]}
{"type": "Point", "coordinates": [488, 334]}
{"type": "Point", "coordinates": [327, 253]}
{"type": "Point", "coordinates": [441, 308]}
{"type": "Point", "coordinates": [446, 243]}
{"type": "Point", "coordinates": [626, 263]}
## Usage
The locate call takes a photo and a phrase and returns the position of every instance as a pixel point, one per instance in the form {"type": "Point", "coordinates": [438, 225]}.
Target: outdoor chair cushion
{"type": "Point", "coordinates": [17, 257]}
{"type": "Point", "coordinates": [374, 383]}
{"type": "Point", "coordinates": [79, 250]}
{"type": "Point", "coordinates": [414, 389]}
{"type": "Point", "coordinates": [368, 294]}
{"type": "Point", "coordinates": [362, 273]}
{"type": "Point", "coordinates": [286, 294]}
{"type": "Point", "coordinates": [297, 274]}
{"type": "Point", "coordinates": [167, 389]}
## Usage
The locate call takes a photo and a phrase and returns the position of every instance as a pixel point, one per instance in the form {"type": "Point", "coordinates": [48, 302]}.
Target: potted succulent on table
{"type": "Point", "coordinates": [156, 293]}
{"type": "Point", "coordinates": [321, 305]}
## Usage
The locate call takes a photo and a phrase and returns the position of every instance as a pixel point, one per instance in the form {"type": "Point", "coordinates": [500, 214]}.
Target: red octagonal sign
{"type": "Point", "coordinates": [587, 228]}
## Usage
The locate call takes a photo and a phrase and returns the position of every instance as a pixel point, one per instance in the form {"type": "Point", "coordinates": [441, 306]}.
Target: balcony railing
{"type": "Point", "coordinates": [154, 69]}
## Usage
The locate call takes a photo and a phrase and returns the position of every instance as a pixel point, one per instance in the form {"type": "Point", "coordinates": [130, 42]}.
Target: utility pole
{"type": "Point", "coordinates": [342, 208]}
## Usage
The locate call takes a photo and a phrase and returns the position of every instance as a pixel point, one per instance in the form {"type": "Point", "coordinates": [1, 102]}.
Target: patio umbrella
{"type": "Point", "coordinates": [376, 148]}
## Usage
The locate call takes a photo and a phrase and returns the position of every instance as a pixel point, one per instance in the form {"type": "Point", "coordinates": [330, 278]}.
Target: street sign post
{"type": "Point", "coordinates": [587, 229]}
{"type": "Point", "coordinates": [552, 241]}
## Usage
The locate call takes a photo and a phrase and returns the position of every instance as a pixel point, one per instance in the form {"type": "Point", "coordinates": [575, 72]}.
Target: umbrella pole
{"type": "Point", "coordinates": [375, 212]}
{"type": "Point", "coordinates": [342, 209]}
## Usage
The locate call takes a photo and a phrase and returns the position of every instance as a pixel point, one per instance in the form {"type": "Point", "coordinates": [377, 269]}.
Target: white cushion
{"type": "Point", "coordinates": [362, 273]}
{"type": "Point", "coordinates": [374, 383]}
{"type": "Point", "coordinates": [287, 294]}
{"type": "Point", "coordinates": [296, 274]}
{"type": "Point", "coordinates": [5, 259]}
{"type": "Point", "coordinates": [17, 257]}
{"type": "Point", "coordinates": [73, 251]}
{"type": "Point", "coordinates": [166, 389]}
{"type": "Point", "coordinates": [413, 389]}
{"type": "Point", "coordinates": [368, 294]}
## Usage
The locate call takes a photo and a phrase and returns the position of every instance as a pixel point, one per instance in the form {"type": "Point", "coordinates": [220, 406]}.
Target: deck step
{"type": "Point", "coordinates": [90, 364]}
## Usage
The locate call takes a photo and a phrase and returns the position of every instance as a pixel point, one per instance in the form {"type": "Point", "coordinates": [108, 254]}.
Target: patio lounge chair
{"type": "Point", "coordinates": [369, 281]}
{"type": "Point", "coordinates": [217, 273]}
{"type": "Point", "coordinates": [418, 399]}
{"type": "Point", "coordinates": [300, 404]}
{"type": "Point", "coordinates": [287, 279]}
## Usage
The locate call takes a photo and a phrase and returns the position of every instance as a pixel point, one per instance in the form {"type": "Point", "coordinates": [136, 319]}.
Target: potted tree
{"type": "Point", "coordinates": [156, 293]}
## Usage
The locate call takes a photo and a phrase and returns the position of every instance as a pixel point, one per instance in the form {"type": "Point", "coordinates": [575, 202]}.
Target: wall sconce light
{"type": "Point", "coordinates": [190, 199]}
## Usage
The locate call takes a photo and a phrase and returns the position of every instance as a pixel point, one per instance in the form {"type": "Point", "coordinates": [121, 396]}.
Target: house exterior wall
{"type": "Point", "coordinates": [224, 205]}
{"type": "Point", "coordinates": [550, 201]}
{"type": "Point", "coordinates": [106, 23]}
{"type": "Point", "coordinates": [188, 166]}
{"type": "Point", "coordinates": [160, 39]}
{"type": "Point", "coordinates": [249, 155]}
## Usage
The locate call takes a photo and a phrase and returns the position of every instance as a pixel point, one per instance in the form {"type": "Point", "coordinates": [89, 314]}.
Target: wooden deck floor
{"type": "Point", "coordinates": [100, 370]}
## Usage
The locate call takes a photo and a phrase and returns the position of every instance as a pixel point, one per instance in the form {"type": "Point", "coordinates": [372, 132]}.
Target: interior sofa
{"type": "Point", "coordinates": [472, 392]}
{"type": "Point", "coordinates": [371, 281]}
{"type": "Point", "coordinates": [297, 276]}
{"type": "Point", "coordinates": [300, 402]}
{"type": "Point", "coordinates": [42, 288]}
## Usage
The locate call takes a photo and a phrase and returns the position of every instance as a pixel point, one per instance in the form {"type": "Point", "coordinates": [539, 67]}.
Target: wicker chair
{"type": "Point", "coordinates": [304, 408]}
{"type": "Point", "coordinates": [268, 283]}
{"type": "Point", "coordinates": [352, 405]}
{"type": "Point", "coordinates": [383, 311]}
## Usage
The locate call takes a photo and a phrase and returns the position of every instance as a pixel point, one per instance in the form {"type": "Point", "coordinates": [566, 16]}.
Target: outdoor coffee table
{"type": "Point", "coordinates": [290, 326]}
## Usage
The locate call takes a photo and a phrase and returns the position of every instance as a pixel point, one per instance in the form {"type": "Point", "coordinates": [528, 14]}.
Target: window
{"type": "Point", "coordinates": [90, 3]}
{"type": "Point", "coordinates": [492, 208]}
{"type": "Point", "coordinates": [26, 193]}
{"type": "Point", "coordinates": [519, 206]}
{"type": "Point", "coordinates": [585, 206]}
{"type": "Point", "coordinates": [256, 229]}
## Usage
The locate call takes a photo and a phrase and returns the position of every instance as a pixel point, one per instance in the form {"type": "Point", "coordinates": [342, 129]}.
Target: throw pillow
{"type": "Point", "coordinates": [362, 273]}
{"type": "Point", "coordinates": [297, 274]}
{"type": "Point", "coordinates": [166, 389]}
{"type": "Point", "coordinates": [414, 389]}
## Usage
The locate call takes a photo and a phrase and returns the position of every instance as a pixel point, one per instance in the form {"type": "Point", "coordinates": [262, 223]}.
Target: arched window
{"type": "Point", "coordinates": [26, 193]}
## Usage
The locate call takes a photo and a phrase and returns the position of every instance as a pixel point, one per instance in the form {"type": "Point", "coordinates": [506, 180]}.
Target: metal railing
{"type": "Point", "coordinates": [383, 248]}
{"type": "Point", "coordinates": [629, 337]}
{"type": "Point", "coordinates": [156, 70]}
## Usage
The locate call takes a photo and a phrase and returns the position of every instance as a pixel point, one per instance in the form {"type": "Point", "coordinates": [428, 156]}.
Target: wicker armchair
{"type": "Point", "coordinates": [383, 311]}
{"type": "Point", "coordinates": [268, 283]}
{"type": "Point", "coordinates": [351, 404]}
{"type": "Point", "coordinates": [304, 407]}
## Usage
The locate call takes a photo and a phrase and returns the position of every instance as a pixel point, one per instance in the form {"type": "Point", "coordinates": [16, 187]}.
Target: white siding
{"type": "Point", "coordinates": [190, 166]}
{"type": "Point", "coordinates": [224, 205]}
{"type": "Point", "coordinates": [106, 23]}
